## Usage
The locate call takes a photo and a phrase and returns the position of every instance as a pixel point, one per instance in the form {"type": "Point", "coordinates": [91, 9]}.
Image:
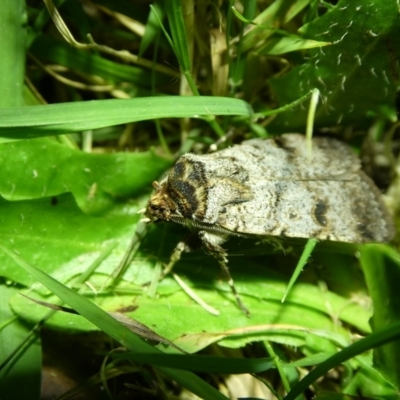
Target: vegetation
{"type": "Point", "coordinates": [98, 99]}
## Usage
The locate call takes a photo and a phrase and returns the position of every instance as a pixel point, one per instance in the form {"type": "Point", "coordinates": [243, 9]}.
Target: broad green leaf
{"type": "Point", "coordinates": [60, 239]}
{"type": "Point", "coordinates": [97, 181]}
{"type": "Point", "coordinates": [357, 75]}
{"type": "Point", "coordinates": [114, 329]}
{"type": "Point", "coordinates": [174, 315]}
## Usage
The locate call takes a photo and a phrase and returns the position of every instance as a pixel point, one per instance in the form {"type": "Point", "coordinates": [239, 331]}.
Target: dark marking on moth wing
{"type": "Point", "coordinates": [279, 191]}
{"type": "Point", "coordinates": [235, 201]}
{"type": "Point", "coordinates": [187, 187]}
{"type": "Point", "coordinates": [191, 171]}
{"type": "Point", "coordinates": [196, 173]}
{"type": "Point", "coordinates": [179, 169]}
{"type": "Point", "coordinates": [184, 195]}
{"type": "Point", "coordinates": [320, 211]}
{"type": "Point", "coordinates": [278, 198]}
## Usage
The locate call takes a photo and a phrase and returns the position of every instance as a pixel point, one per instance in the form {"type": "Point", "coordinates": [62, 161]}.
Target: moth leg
{"type": "Point", "coordinates": [190, 242]}
{"type": "Point", "coordinates": [175, 257]}
{"type": "Point", "coordinates": [211, 244]}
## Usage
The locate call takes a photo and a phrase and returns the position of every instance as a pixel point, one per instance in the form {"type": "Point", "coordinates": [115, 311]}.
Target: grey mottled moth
{"type": "Point", "coordinates": [271, 187]}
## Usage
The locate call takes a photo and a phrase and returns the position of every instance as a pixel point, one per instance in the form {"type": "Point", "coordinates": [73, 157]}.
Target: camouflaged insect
{"type": "Point", "coordinates": [271, 187]}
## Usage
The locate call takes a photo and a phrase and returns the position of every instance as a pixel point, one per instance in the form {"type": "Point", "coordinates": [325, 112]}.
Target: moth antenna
{"type": "Point", "coordinates": [141, 211]}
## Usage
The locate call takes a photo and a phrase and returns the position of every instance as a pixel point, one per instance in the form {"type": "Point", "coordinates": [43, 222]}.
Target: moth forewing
{"type": "Point", "coordinates": [272, 187]}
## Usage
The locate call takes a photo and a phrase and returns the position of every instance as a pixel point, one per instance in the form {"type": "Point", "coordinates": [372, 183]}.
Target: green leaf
{"type": "Point", "coordinates": [97, 181]}
{"type": "Point", "coordinates": [53, 119]}
{"type": "Point", "coordinates": [206, 363]}
{"type": "Point", "coordinates": [369, 382]}
{"type": "Point", "coordinates": [60, 239]}
{"type": "Point", "coordinates": [302, 315]}
{"type": "Point", "coordinates": [12, 60]}
{"type": "Point", "coordinates": [379, 338]}
{"type": "Point", "coordinates": [152, 27]}
{"type": "Point", "coordinates": [276, 41]}
{"type": "Point", "coordinates": [357, 75]}
{"type": "Point", "coordinates": [266, 21]}
{"type": "Point", "coordinates": [178, 33]}
{"type": "Point", "coordinates": [23, 351]}
{"type": "Point", "coordinates": [381, 266]}
{"type": "Point", "coordinates": [114, 329]}
{"type": "Point", "coordinates": [283, 45]}
{"type": "Point", "coordinates": [308, 249]}
{"type": "Point", "coordinates": [49, 50]}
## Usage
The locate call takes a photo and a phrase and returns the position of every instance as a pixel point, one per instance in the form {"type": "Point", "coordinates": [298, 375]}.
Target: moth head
{"type": "Point", "coordinates": [160, 206]}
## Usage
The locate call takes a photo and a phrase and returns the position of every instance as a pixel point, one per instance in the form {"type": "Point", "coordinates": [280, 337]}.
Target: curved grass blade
{"type": "Point", "coordinates": [48, 120]}
{"type": "Point", "coordinates": [374, 340]}
{"type": "Point", "coordinates": [115, 329]}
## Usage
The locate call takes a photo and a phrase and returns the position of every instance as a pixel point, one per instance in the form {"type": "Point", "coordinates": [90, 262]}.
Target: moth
{"type": "Point", "coordinates": [271, 187]}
